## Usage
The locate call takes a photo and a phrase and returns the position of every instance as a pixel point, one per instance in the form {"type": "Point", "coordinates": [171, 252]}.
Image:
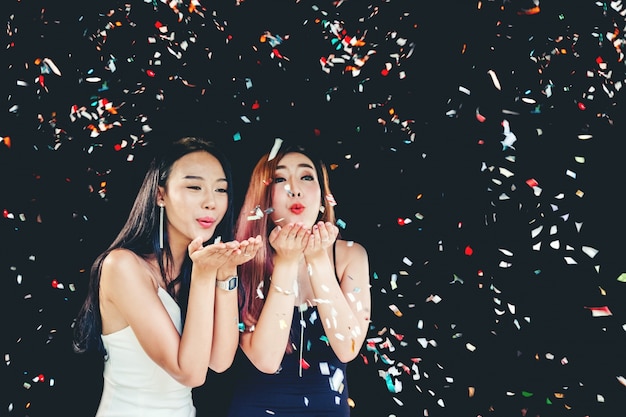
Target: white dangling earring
{"type": "Point", "coordinates": [161, 213]}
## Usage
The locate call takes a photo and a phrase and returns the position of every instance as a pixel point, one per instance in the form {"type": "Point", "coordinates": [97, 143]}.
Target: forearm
{"type": "Point", "coordinates": [226, 326]}
{"type": "Point", "coordinates": [265, 346]}
{"type": "Point", "coordinates": [346, 331]}
{"type": "Point", "coordinates": [197, 336]}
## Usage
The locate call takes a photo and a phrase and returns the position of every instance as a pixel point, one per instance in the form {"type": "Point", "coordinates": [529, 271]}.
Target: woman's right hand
{"type": "Point", "coordinates": [289, 241]}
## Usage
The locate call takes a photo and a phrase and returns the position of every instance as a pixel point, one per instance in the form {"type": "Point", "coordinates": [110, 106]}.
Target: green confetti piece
{"type": "Point", "coordinates": [622, 277]}
{"type": "Point", "coordinates": [527, 394]}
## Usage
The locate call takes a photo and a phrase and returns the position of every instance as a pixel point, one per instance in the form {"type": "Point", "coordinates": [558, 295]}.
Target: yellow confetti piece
{"type": "Point", "coordinates": [395, 309]}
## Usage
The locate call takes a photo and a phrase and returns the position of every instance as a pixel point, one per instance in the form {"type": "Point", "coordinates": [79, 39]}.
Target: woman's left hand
{"type": "Point", "coordinates": [323, 235]}
{"type": "Point", "coordinates": [247, 250]}
{"type": "Point", "coordinates": [212, 256]}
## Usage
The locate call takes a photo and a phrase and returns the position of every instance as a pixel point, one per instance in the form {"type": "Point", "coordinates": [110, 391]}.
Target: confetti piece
{"type": "Point", "coordinates": [509, 137]}
{"type": "Point", "coordinates": [275, 148]}
{"type": "Point", "coordinates": [600, 311]}
{"type": "Point", "coordinates": [589, 251]}
{"type": "Point", "coordinates": [395, 310]}
{"type": "Point", "coordinates": [494, 79]}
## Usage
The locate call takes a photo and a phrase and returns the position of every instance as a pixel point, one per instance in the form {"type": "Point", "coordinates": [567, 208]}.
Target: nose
{"type": "Point", "coordinates": [292, 191]}
{"type": "Point", "coordinates": [209, 201]}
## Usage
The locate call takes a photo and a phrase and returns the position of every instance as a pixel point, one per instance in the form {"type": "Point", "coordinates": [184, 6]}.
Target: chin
{"type": "Point", "coordinates": [208, 238]}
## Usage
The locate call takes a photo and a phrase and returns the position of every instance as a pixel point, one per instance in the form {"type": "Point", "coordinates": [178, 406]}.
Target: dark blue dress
{"type": "Point", "coordinates": [321, 390]}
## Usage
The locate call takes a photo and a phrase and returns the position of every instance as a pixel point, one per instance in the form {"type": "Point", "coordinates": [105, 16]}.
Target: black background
{"type": "Point", "coordinates": [65, 193]}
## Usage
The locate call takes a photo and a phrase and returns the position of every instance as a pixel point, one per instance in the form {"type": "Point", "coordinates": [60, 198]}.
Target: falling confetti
{"type": "Point", "coordinates": [502, 117]}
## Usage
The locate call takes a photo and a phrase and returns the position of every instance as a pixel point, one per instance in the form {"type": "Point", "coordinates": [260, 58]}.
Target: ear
{"type": "Point", "coordinates": [160, 196]}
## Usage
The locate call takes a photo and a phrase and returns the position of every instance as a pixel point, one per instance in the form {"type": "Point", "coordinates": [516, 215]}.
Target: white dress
{"type": "Point", "coordinates": [134, 385]}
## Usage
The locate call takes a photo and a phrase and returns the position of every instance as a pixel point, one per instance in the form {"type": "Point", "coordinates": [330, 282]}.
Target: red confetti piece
{"type": "Point", "coordinates": [469, 251]}
{"type": "Point", "coordinates": [304, 364]}
{"type": "Point", "coordinates": [532, 182]}
{"type": "Point", "coordinates": [150, 73]}
{"type": "Point", "coordinates": [600, 311]}
{"type": "Point", "coordinates": [256, 105]}
{"type": "Point", "coordinates": [480, 117]}
{"type": "Point", "coordinates": [55, 283]}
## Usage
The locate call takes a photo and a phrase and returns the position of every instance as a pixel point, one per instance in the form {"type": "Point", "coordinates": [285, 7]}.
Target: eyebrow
{"type": "Point", "coordinates": [198, 177]}
{"type": "Point", "coordinates": [299, 166]}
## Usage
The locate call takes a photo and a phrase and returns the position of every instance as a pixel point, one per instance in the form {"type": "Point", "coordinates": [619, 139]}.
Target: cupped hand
{"type": "Point", "coordinates": [290, 240]}
{"type": "Point", "coordinates": [212, 256]}
{"type": "Point", "coordinates": [247, 250]}
{"type": "Point", "coordinates": [322, 237]}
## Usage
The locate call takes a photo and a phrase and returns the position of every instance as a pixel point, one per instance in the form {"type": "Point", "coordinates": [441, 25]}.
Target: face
{"type": "Point", "coordinates": [195, 198]}
{"type": "Point", "coordinates": [296, 191]}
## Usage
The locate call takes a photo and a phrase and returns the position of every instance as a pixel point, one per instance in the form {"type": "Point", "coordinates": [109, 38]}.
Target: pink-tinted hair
{"type": "Point", "coordinates": [259, 199]}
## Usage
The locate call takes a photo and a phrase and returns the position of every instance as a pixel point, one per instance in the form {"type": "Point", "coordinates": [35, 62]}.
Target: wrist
{"type": "Point", "coordinates": [229, 284]}
{"type": "Point", "coordinates": [226, 272]}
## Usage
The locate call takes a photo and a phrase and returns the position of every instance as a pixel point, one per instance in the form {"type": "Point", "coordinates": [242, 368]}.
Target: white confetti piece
{"type": "Point", "coordinates": [494, 79]}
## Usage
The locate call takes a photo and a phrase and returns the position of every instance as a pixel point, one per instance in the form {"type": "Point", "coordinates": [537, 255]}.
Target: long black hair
{"type": "Point", "coordinates": [140, 234]}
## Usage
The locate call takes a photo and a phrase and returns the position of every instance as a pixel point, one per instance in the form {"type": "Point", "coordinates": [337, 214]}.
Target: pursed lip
{"type": "Point", "coordinates": [296, 208]}
{"type": "Point", "coordinates": [205, 222]}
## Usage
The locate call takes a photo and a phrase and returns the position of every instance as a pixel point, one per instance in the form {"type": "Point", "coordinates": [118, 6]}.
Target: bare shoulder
{"type": "Point", "coordinates": [121, 263]}
{"type": "Point", "coordinates": [351, 259]}
{"type": "Point", "coordinates": [121, 258]}
{"type": "Point", "coordinates": [350, 248]}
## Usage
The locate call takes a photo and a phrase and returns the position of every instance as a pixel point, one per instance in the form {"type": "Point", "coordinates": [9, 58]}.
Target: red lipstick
{"type": "Point", "coordinates": [296, 208]}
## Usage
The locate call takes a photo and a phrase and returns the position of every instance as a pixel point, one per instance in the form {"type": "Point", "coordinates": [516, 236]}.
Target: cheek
{"type": "Point", "coordinates": [222, 204]}
{"type": "Point", "coordinates": [314, 191]}
{"type": "Point", "coordinates": [279, 194]}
